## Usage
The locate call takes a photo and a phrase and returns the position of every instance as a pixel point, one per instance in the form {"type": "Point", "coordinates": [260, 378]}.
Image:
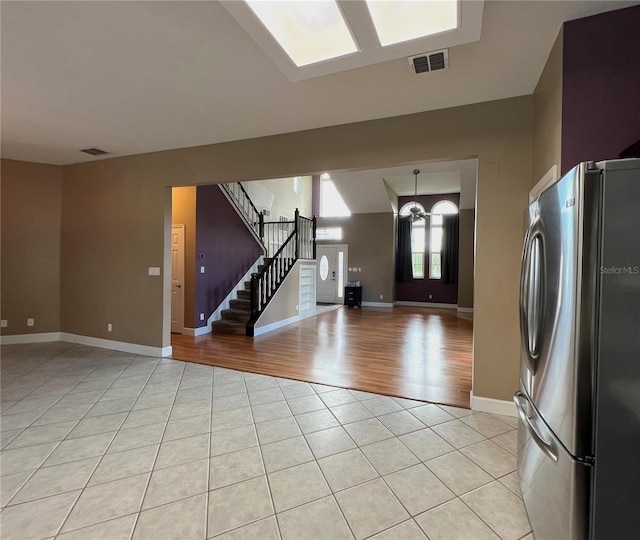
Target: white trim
{"type": "Point", "coordinates": [549, 178]}
{"type": "Point", "coordinates": [465, 310]}
{"type": "Point", "coordinates": [20, 339]}
{"type": "Point", "coordinates": [200, 331]}
{"type": "Point", "coordinates": [284, 322]}
{"type": "Point", "coordinates": [495, 406]}
{"type": "Point", "coordinates": [123, 346]}
{"type": "Point", "coordinates": [217, 314]}
{"type": "Point", "coordinates": [376, 304]}
{"type": "Point", "coordinates": [427, 304]}
{"type": "Point", "coordinates": [133, 348]}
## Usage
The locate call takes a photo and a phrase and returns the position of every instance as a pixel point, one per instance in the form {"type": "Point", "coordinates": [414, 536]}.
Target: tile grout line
{"type": "Point", "coordinates": [304, 436]}
{"type": "Point", "coordinates": [155, 459]}
{"type": "Point", "coordinates": [40, 467]}
{"type": "Point", "coordinates": [58, 532]}
{"type": "Point", "coordinates": [209, 442]}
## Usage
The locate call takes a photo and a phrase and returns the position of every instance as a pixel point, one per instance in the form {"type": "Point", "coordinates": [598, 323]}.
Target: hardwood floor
{"type": "Point", "coordinates": [415, 353]}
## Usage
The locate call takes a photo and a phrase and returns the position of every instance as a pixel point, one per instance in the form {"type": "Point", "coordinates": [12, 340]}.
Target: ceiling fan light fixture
{"type": "Point", "coordinates": [416, 213]}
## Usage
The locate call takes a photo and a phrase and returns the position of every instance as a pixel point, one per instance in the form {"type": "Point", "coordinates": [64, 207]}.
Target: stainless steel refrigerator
{"type": "Point", "coordinates": [579, 397]}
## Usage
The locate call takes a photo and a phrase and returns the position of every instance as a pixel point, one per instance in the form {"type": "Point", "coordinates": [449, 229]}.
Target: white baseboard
{"type": "Point", "coordinates": [123, 346]}
{"type": "Point", "coordinates": [465, 310]}
{"type": "Point", "coordinates": [377, 304]}
{"type": "Point", "coordinates": [197, 331]}
{"type": "Point", "coordinates": [495, 406]}
{"type": "Point", "coordinates": [426, 304]}
{"type": "Point", "coordinates": [21, 339]}
{"type": "Point", "coordinates": [285, 322]}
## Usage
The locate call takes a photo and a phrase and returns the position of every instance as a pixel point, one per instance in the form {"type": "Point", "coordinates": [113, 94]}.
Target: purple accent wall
{"type": "Point", "coordinates": [420, 289]}
{"type": "Point", "coordinates": [600, 86]}
{"type": "Point", "coordinates": [229, 249]}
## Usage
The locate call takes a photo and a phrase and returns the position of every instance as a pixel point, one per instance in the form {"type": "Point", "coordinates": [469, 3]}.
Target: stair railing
{"type": "Point", "coordinates": [299, 244]}
{"type": "Point", "coordinates": [240, 198]}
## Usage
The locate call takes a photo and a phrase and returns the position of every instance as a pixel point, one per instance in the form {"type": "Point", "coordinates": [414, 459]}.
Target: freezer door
{"type": "Point", "coordinates": [554, 315]}
{"type": "Point", "coordinates": [617, 410]}
{"type": "Point", "coordinates": [555, 487]}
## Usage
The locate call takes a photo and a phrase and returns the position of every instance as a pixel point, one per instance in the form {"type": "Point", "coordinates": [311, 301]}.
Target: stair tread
{"type": "Point", "coordinates": [228, 322]}
{"type": "Point", "coordinates": [229, 327]}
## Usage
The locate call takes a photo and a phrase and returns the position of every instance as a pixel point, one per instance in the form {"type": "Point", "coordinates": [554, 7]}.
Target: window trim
{"type": "Point", "coordinates": [405, 211]}
{"type": "Point", "coordinates": [432, 226]}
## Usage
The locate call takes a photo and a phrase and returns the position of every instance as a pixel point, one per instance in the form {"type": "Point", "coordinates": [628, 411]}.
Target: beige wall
{"type": "Point", "coordinates": [466, 258]}
{"type": "Point", "coordinates": [116, 223]}
{"type": "Point", "coordinates": [115, 213]}
{"type": "Point", "coordinates": [285, 200]}
{"type": "Point", "coordinates": [547, 108]}
{"type": "Point", "coordinates": [370, 240]}
{"type": "Point", "coordinates": [183, 212]}
{"type": "Point", "coordinates": [30, 254]}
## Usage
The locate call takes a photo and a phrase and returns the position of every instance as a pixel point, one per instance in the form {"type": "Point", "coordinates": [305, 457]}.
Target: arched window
{"type": "Point", "coordinates": [435, 237]}
{"type": "Point", "coordinates": [418, 237]}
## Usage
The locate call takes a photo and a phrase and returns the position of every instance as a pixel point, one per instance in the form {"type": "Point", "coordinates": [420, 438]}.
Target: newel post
{"type": "Point", "coordinates": [261, 226]}
{"type": "Point", "coordinates": [314, 236]}
{"type": "Point", "coordinates": [296, 230]}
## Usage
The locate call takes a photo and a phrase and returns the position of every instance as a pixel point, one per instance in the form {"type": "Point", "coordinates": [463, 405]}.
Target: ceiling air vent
{"type": "Point", "coordinates": [431, 61]}
{"type": "Point", "coordinates": [94, 151]}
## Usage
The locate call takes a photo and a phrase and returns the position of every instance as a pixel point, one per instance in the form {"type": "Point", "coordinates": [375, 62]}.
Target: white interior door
{"type": "Point", "coordinates": [177, 278]}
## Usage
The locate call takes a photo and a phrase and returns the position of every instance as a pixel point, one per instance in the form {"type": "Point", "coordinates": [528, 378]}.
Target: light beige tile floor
{"type": "Point", "coordinates": [103, 444]}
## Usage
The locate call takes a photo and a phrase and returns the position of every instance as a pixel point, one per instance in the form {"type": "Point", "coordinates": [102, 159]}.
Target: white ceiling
{"type": "Point", "coordinates": [365, 192]}
{"type": "Point", "coordinates": [136, 77]}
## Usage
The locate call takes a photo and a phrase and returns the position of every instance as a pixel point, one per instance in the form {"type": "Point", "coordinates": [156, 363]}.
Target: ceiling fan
{"type": "Point", "coordinates": [416, 213]}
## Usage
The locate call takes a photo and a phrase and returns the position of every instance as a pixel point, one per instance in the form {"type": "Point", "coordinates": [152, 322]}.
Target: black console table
{"type": "Point", "coordinates": [352, 296]}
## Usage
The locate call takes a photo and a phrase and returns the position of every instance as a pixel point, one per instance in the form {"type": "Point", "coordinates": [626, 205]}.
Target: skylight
{"type": "Point", "coordinates": [308, 31]}
{"type": "Point", "coordinates": [402, 20]}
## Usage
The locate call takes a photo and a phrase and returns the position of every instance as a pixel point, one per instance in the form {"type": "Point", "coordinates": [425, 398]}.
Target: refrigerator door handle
{"type": "Point", "coordinates": [532, 283]}
{"type": "Point", "coordinates": [546, 448]}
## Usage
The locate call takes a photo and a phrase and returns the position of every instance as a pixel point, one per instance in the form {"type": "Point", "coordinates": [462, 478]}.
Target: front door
{"type": "Point", "coordinates": [327, 280]}
{"type": "Point", "coordinates": [332, 271]}
{"type": "Point", "coordinates": [177, 278]}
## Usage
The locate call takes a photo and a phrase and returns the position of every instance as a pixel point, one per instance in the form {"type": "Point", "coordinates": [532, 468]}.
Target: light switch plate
{"type": "Point", "coordinates": [4, 323]}
{"type": "Point", "coordinates": [202, 269]}
{"type": "Point", "coordinates": [31, 322]}
{"type": "Point", "coordinates": [154, 270]}
{"type": "Point", "coordinates": [202, 316]}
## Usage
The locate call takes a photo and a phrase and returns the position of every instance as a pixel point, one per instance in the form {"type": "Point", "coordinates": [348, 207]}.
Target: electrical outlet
{"type": "Point", "coordinates": [381, 296]}
{"type": "Point", "coordinates": [296, 307]}
{"type": "Point", "coordinates": [31, 322]}
{"type": "Point", "coordinates": [4, 323]}
{"type": "Point", "coordinates": [430, 296]}
{"type": "Point", "coordinates": [109, 327]}
{"type": "Point", "coordinates": [202, 316]}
